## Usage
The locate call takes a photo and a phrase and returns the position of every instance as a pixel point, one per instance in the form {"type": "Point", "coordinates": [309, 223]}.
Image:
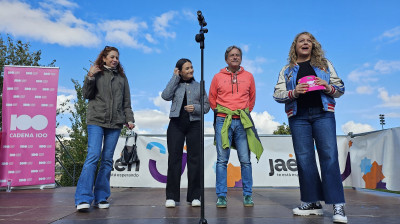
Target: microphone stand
{"type": "Point", "coordinates": [200, 39]}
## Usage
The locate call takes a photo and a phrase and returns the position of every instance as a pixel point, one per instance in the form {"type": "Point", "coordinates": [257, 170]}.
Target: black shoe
{"type": "Point", "coordinates": [314, 208]}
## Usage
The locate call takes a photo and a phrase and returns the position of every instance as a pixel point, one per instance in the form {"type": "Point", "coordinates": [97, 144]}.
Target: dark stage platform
{"type": "Point", "coordinates": [146, 206]}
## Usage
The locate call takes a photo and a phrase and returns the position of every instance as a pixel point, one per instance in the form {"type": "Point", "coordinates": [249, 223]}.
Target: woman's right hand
{"type": "Point", "coordinates": [93, 70]}
{"type": "Point", "coordinates": [176, 71]}
{"type": "Point", "coordinates": [300, 89]}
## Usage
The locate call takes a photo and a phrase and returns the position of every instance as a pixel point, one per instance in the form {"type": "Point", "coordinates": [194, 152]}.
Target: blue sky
{"type": "Point", "coordinates": [360, 38]}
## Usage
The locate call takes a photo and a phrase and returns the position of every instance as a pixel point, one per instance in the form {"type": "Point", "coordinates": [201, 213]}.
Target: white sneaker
{"type": "Point", "coordinates": [196, 203]}
{"type": "Point", "coordinates": [338, 213]}
{"type": "Point", "coordinates": [170, 203]}
{"type": "Point", "coordinates": [103, 204]}
{"type": "Point", "coordinates": [83, 207]}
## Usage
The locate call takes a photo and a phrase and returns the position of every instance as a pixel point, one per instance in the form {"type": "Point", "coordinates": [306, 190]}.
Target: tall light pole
{"type": "Point", "coordinates": [382, 119]}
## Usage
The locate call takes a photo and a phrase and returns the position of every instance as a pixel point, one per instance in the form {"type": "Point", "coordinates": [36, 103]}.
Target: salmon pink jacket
{"type": "Point", "coordinates": [233, 93]}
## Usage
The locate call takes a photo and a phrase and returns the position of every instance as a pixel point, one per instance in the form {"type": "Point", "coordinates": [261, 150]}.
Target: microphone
{"type": "Point", "coordinates": [200, 17]}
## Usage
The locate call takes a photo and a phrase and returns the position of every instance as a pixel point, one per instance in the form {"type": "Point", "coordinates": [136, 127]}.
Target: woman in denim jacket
{"type": "Point", "coordinates": [184, 123]}
{"type": "Point", "coordinates": [311, 118]}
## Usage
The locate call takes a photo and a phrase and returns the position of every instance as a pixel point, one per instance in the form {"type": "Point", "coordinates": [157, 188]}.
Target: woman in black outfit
{"type": "Point", "coordinates": [185, 117]}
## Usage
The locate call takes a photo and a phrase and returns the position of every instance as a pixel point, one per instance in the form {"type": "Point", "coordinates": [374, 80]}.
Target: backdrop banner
{"type": "Point", "coordinates": [277, 166]}
{"type": "Point", "coordinates": [375, 160]}
{"type": "Point", "coordinates": [27, 152]}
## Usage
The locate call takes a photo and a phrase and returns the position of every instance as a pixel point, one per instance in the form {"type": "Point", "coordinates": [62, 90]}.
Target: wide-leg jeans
{"type": "Point", "coordinates": [178, 131]}
{"type": "Point", "coordinates": [309, 125]}
{"type": "Point", "coordinates": [238, 134]}
{"type": "Point", "coordinates": [87, 189]}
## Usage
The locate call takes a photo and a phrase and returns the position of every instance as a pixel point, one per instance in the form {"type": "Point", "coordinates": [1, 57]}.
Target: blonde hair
{"type": "Point", "coordinates": [317, 54]}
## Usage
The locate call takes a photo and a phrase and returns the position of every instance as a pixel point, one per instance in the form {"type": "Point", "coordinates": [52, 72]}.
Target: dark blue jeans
{"type": "Point", "coordinates": [238, 134]}
{"type": "Point", "coordinates": [309, 125]}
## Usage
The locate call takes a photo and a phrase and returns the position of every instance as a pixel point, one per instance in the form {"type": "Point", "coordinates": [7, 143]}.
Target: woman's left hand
{"type": "Point", "coordinates": [189, 108]}
{"type": "Point", "coordinates": [131, 125]}
{"type": "Point", "coordinates": [322, 82]}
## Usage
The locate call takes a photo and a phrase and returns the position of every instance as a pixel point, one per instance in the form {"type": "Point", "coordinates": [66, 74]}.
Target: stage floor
{"type": "Point", "coordinates": [146, 206]}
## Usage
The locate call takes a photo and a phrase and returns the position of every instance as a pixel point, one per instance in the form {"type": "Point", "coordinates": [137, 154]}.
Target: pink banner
{"type": "Point", "coordinates": [27, 152]}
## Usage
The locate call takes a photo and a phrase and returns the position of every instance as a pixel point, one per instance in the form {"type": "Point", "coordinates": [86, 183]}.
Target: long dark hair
{"type": "Point", "coordinates": [181, 62]}
{"type": "Point", "coordinates": [100, 63]}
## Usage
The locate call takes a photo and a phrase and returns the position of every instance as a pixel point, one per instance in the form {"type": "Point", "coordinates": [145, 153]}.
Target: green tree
{"type": "Point", "coordinates": [16, 53]}
{"type": "Point", "coordinates": [283, 129]}
{"type": "Point", "coordinates": [77, 144]}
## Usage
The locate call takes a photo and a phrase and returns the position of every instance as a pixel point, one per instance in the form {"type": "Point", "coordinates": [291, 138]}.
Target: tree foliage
{"type": "Point", "coordinates": [77, 144]}
{"type": "Point", "coordinates": [283, 129]}
{"type": "Point", "coordinates": [16, 53]}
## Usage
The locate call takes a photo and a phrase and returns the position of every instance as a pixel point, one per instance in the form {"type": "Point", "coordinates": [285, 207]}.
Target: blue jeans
{"type": "Point", "coordinates": [84, 189]}
{"type": "Point", "coordinates": [309, 125]}
{"type": "Point", "coordinates": [237, 132]}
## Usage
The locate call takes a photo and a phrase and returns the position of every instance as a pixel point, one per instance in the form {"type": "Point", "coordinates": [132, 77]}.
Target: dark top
{"type": "Point", "coordinates": [312, 98]}
{"type": "Point", "coordinates": [183, 114]}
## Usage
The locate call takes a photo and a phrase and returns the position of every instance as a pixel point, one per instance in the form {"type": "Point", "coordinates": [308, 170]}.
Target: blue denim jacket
{"type": "Point", "coordinates": [175, 91]}
{"type": "Point", "coordinates": [284, 89]}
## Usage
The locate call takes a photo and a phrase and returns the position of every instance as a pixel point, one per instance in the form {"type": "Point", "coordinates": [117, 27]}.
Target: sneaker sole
{"type": "Point", "coordinates": [83, 207]}
{"type": "Point", "coordinates": [248, 205]}
{"type": "Point", "coordinates": [337, 220]}
{"type": "Point", "coordinates": [221, 206]}
{"type": "Point", "coordinates": [305, 213]}
{"type": "Point", "coordinates": [102, 206]}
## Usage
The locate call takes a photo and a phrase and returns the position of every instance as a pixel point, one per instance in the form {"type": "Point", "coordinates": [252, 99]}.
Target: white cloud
{"type": "Point", "coordinates": [365, 90]}
{"type": "Point", "coordinates": [161, 103]}
{"type": "Point", "coordinates": [151, 121]}
{"type": "Point", "coordinates": [189, 14]}
{"type": "Point", "coordinates": [63, 131]}
{"type": "Point", "coordinates": [161, 24]}
{"type": "Point", "coordinates": [392, 115]}
{"type": "Point", "coordinates": [64, 3]}
{"type": "Point", "coordinates": [245, 48]}
{"type": "Point", "coordinates": [386, 67]}
{"type": "Point", "coordinates": [388, 101]}
{"type": "Point", "coordinates": [253, 66]}
{"type": "Point", "coordinates": [208, 127]}
{"type": "Point", "coordinates": [62, 89]}
{"type": "Point", "coordinates": [65, 99]}
{"type": "Point", "coordinates": [368, 74]}
{"type": "Point", "coordinates": [150, 38]}
{"type": "Point", "coordinates": [391, 35]}
{"type": "Point", "coordinates": [19, 19]}
{"type": "Point", "coordinates": [359, 75]}
{"type": "Point", "coordinates": [351, 126]}
{"type": "Point", "coordinates": [264, 122]}
{"type": "Point", "coordinates": [125, 32]}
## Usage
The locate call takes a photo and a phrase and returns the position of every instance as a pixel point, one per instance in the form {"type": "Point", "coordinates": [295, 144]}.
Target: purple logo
{"type": "Point", "coordinates": [153, 164]}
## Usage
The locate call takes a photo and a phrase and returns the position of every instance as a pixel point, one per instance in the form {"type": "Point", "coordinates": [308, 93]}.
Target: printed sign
{"type": "Point", "coordinates": [27, 152]}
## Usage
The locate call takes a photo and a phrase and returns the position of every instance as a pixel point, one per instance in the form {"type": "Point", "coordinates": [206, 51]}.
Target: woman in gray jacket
{"type": "Point", "coordinates": [107, 89]}
{"type": "Point", "coordinates": [185, 117]}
